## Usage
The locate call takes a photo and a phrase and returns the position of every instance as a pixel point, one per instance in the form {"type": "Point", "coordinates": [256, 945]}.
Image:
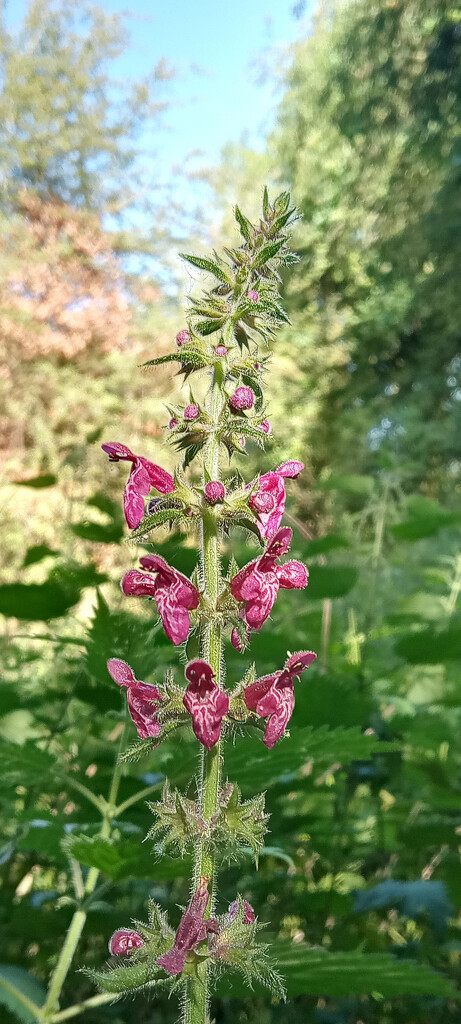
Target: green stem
{"type": "Point", "coordinates": [86, 1004]}
{"type": "Point", "coordinates": [78, 920]}
{"type": "Point", "coordinates": [142, 794]}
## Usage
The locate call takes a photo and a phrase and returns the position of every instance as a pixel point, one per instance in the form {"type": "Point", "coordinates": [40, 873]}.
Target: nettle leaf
{"type": "Point", "coordinates": [119, 634]}
{"type": "Point", "coordinates": [315, 972]}
{"type": "Point", "coordinates": [28, 985]}
{"type": "Point", "coordinates": [331, 581]}
{"type": "Point", "coordinates": [255, 767]}
{"type": "Point", "coordinates": [410, 898]}
{"type": "Point", "coordinates": [244, 224]}
{"type": "Point", "coordinates": [98, 533]}
{"type": "Point", "coordinates": [24, 763]}
{"type": "Point", "coordinates": [429, 647]}
{"type": "Point", "coordinates": [121, 860]}
{"type": "Point", "coordinates": [202, 263]}
{"type": "Point", "coordinates": [170, 358]}
{"type": "Point", "coordinates": [426, 518]}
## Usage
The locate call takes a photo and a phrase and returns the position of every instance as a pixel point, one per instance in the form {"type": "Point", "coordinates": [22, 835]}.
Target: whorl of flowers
{"type": "Point", "coordinates": [225, 327]}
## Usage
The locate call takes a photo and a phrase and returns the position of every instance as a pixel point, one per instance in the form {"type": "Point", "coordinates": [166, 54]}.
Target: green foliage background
{"type": "Point", "coordinates": [365, 389]}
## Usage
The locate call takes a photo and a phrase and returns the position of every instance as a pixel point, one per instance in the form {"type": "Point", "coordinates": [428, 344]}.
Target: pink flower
{"type": "Point", "coordinates": [191, 411]}
{"type": "Point", "coordinates": [273, 695]}
{"type": "Point", "coordinates": [257, 584]}
{"type": "Point", "coordinates": [143, 476]}
{"type": "Point", "coordinates": [265, 427]}
{"type": "Point", "coordinates": [220, 350]}
{"type": "Point", "coordinates": [125, 941]}
{"type": "Point", "coordinates": [182, 338]}
{"type": "Point", "coordinates": [214, 491]}
{"type": "Point", "coordinates": [174, 594]}
{"type": "Point", "coordinates": [253, 295]}
{"type": "Point", "coordinates": [269, 500]}
{"type": "Point", "coordinates": [205, 701]}
{"type": "Point", "coordinates": [249, 915]}
{"type": "Point", "coordinates": [143, 699]}
{"type": "Point", "coordinates": [193, 929]}
{"type": "Point", "coordinates": [243, 398]}
{"type": "Point", "coordinates": [173, 423]}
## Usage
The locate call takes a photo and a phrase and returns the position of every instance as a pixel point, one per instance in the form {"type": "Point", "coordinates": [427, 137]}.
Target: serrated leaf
{"type": "Point", "coordinates": [164, 515]}
{"type": "Point", "coordinates": [254, 767]}
{"type": "Point", "coordinates": [202, 263]}
{"type": "Point", "coordinates": [314, 972]}
{"type": "Point", "coordinates": [123, 859]}
{"type": "Point", "coordinates": [205, 327]}
{"type": "Point", "coordinates": [245, 225]}
{"type": "Point", "coordinates": [170, 358]}
{"type": "Point", "coordinates": [267, 252]}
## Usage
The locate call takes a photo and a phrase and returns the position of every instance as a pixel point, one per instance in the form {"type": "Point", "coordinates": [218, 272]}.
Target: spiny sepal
{"type": "Point", "coordinates": [141, 970]}
{"type": "Point", "coordinates": [243, 821]}
{"type": "Point", "coordinates": [179, 820]}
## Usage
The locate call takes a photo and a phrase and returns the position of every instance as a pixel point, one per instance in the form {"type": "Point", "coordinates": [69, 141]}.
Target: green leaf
{"type": "Point", "coordinates": [314, 972]}
{"type": "Point", "coordinates": [37, 552]}
{"type": "Point", "coordinates": [29, 987]}
{"type": "Point", "coordinates": [320, 546]}
{"type": "Point", "coordinates": [429, 647]}
{"type": "Point", "coordinates": [331, 581]}
{"type": "Point", "coordinates": [206, 327]}
{"type": "Point", "coordinates": [170, 358]}
{"type": "Point", "coordinates": [37, 482]}
{"type": "Point", "coordinates": [119, 634]}
{"type": "Point", "coordinates": [351, 483]}
{"type": "Point", "coordinates": [98, 533]}
{"type": "Point", "coordinates": [267, 252]}
{"type": "Point", "coordinates": [245, 225]}
{"type": "Point", "coordinates": [205, 264]}
{"type": "Point", "coordinates": [43, 601]}
{"type": "Point", "coordinates": [124, 859]}
{"type": "Point", "coordinates": [164, 515]}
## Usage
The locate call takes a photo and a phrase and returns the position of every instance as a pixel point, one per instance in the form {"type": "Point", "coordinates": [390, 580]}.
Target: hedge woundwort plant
{"type": "Point", "coordinates": [226, 327]}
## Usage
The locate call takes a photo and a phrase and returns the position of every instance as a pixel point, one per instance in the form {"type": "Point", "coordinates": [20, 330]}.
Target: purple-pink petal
{"type": "Point", "coordinates": [205, 701]}
{"type": "Point", "coordinates": [293, 576]}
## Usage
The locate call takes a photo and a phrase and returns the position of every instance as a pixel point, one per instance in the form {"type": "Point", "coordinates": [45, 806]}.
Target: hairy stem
{"type": "Point", "coordinates": [196, 994]}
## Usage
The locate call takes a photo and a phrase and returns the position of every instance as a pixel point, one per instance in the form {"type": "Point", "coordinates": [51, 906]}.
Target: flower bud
{"type": "Point", "coordinates": [173, 423]}
{"type": "Point", "coordinates": [182, 338]}
{"type": "Point", "coordinates": [243, 398]}
{"type": "Point", "coordinates": [220, 350]}
{"type": "Point", "coordinates": [214, 492]}
{"type": "Point", "coordinates": [124, 941]}
{"type": "Point", "coordinates": [236, 640]}
{"type": "Point", "coordinates": [265, 427]}
{"type": "Point", "coordinates": [249, 915]}
{"type": "Point", "coordinates": [253, 295]}
{"type": "Point", "coordinates": [191, 411]}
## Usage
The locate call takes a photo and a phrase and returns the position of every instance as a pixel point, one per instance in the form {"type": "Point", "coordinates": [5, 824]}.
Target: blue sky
{"type": "Point", "coordinates": [215, 49]}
